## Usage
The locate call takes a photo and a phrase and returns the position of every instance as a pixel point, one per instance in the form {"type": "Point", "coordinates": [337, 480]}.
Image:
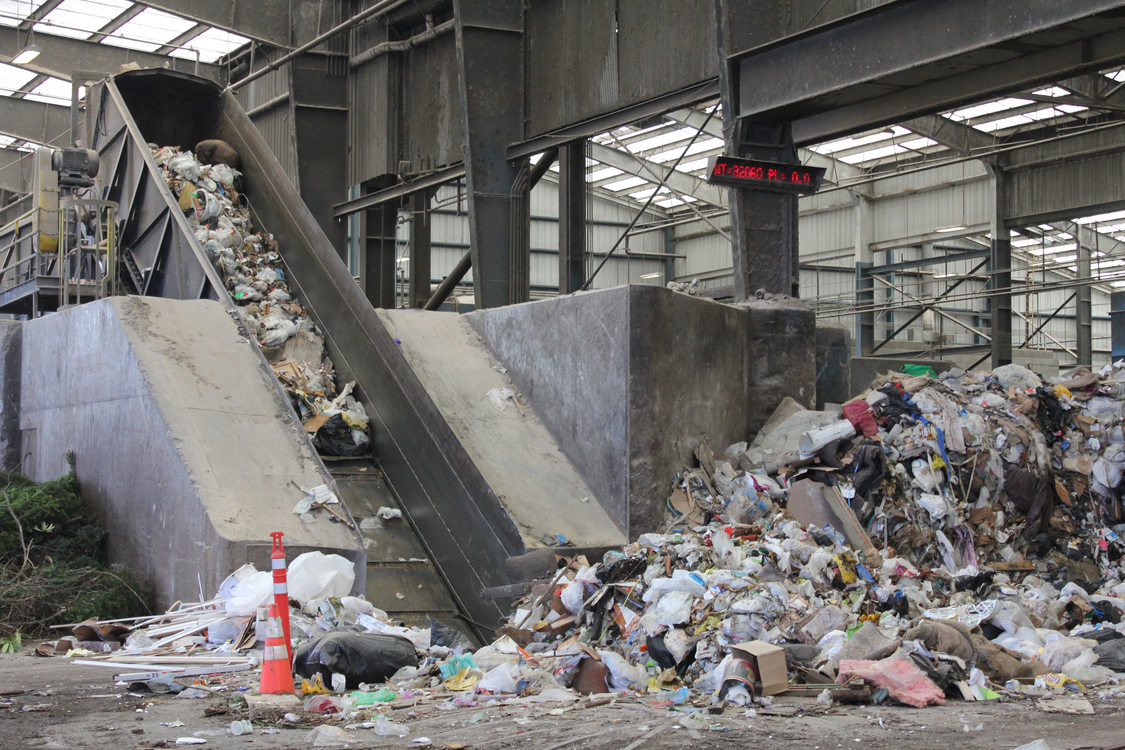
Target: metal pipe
{"type": "Point", "coordinates": [373, 11]}
{"type": "Point", "coordinates": [402, 45]}
{"type": "Point", "coordinates": [450, 282]}
{"type": "Point", "coordinates": [265, 106]}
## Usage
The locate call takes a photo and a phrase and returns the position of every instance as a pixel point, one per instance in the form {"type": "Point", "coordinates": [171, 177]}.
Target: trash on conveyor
{"type": "Point", "coordinates": [208, 190]}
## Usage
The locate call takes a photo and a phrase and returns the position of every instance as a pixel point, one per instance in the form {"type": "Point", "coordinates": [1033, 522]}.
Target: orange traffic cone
{"type": "Point", "coordinates": [277, 675]}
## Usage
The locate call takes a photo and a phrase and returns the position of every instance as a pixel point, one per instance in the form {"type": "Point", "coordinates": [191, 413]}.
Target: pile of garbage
{"type": "Point", "coordinates": [253, 271]}
{"type": "Point", "coordinates": [940, 536]}
{"type": "Point", "coordinates": [898, 549]}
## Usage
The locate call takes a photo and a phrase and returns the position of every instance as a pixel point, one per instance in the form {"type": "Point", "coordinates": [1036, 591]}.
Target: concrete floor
{"type": "Point", "coordinates": [68, 706]}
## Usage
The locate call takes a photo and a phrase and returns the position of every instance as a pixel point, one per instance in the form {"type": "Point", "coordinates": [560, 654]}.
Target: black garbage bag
{"type": "Point", "coordinates": [1111, 654]}
{"type": "Point", "coordinates": [1050, 414]}
{"type": "Point", "coordinates": [334, 438]}
{"type": "Point", "coordinates": [360, 657]}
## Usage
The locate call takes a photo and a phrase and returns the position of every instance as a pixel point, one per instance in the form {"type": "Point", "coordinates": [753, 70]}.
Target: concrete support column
{"type": "Point", "coordinates": [865, 285]}
{"type": "Point", "coordinates": [490, 83]}
{"type": "Point", "coordinates": [1001, 285]}
{"type": "Point", "coordinates": [377, 261]}
{"type": "Point", "coordinates": [1083, 310]}
{"type": "Point", "coordinates": [572, 217]}
{"type": "Point", "coordinates": [420, 221]}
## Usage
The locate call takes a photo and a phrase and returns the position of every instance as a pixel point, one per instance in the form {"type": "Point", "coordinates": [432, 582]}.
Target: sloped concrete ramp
{"type": "Point", "coordinates": [184, 442]}
{"type": "Point", "coordinates": [539, 491]}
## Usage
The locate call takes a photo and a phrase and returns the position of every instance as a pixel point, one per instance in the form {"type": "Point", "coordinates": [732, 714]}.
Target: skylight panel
{"type": "Point", "coordinates": [629, 182]}
{"type": "Point", "coordinates": [918, 143]}
{"type": "Point", "coordinates": [864, 139]}
{"type": "Point", "coordinates": [54, 91]}
{"type": "Point", "coordinates": [6, 141]}
{"type": "Point", "coordinates": [1052, 91]}
{"type": "Point", "coordinates": [14, 11]}
{"type": "Point", "coordinates": [692, 166]}
{"type": "Point", "coordinates": [1101, 218]}
{"type": "Point", "coordinates": [149, 30]}
{"type": "Point", "coordinates": [631, 131]}
{"type": "Point", "coordinates": [79, 19]}
{"type": "Point", "coordinates": [641, 195]}
{"type": "Point", "coordinates": [874, 153]}
{"type": "Point", "coordinates": [987, 108]}
{"type": "Point", "coordinates": [669, 203]}
{"type": "Point", "coordinates": [211, 44]}
{"type": "Point", "coordinates": [12, 79]}
{"type": "Point", "coordinates": [701, 145]}
{"type": "Point", "coordinates": [603, 174]}
{"type": "Point", "coordinates": [1053, 249]}
{"type": "Point", "coordinates": [663, 139]}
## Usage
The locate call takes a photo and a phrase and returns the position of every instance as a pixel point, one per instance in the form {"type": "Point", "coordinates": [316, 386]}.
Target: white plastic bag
{"type": "Point", "coordinates": [622, 674]}
{"type": "Point", "coordinates": [314, 576]}
{"type": "Point", "coordinates": [498, 680]}
{"type": "Point", "coordinates": [250, 593]}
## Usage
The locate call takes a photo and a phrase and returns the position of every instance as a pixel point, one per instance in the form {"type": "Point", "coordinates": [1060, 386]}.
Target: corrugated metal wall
{"type": "Point", "coordinates": [908, 207]}
{"type": "Point", "coordinates": [588, 57]}
{"type": "Point", "coordinates": [430, 103]}
{"type": "Point", "coordinates": [276, 123]}
{"type": "Point", "coordinates": [606, 221]}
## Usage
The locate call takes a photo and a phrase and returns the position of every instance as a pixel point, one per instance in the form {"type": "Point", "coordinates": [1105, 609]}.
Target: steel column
{"type": "Point", "coordinates": [763, 222]}
{"type": "Point", "coordinates": [1083, 310]}
{"type": "Point", "coordinates": [420, 225]}
{"type": "Point", "coordinates": [319, 103]}
{"type": "Point", "coordinates": [865, 300]}
{"type": "Point", "coordinates": [572, 217]}
{"type": "Point", "coordinates": [377, 262]}
{"type": "Point", "coordinates": [1001, 281]}
{"type": "Point", "coordinates": [865, 285]}
{"type": "Point", "coordinates": [490, 83]}
{"type": "Point", "coordinates": [1117, 324]}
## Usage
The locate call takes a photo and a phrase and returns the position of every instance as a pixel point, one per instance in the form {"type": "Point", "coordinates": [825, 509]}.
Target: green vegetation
{"type": "Point", "coordinates": [52, 561]}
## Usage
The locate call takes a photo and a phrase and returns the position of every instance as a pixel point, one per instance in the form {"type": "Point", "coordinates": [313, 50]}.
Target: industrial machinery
{"type": "Point", "coordinates": [60, 249]}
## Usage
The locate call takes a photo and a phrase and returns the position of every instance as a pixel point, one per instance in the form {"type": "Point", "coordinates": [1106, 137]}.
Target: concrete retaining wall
{"type": "Point", "coordinates": [628, 379]}
{"type": "Point", "coordinates": [184, 445]}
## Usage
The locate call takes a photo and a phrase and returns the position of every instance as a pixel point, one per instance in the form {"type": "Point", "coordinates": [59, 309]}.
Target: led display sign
{"type": "Point", "coordinates": [763, 175]}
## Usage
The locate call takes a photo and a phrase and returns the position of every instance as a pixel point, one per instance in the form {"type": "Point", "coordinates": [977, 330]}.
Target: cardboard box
{"type": "Point", "coordinates": [768, 661]}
